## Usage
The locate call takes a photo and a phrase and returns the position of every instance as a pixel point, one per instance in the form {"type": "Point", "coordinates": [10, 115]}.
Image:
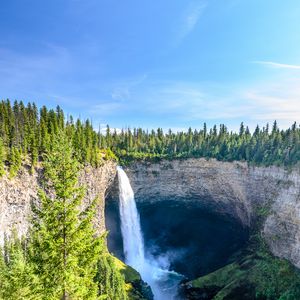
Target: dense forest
{"type": "Point", "coordinates": [26, 133]}
{"type": "Point", "coordinates": [265, 146]}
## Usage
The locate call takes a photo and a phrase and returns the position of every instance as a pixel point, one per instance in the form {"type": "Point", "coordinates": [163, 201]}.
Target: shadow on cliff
{"type": "Point", "coordinates": [191, 239]}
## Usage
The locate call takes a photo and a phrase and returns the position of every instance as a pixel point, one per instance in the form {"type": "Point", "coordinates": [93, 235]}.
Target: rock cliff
{"type": "Point", "coordinates": [235, 189]}
{"type": "Point", "coordinates": [17, 194]}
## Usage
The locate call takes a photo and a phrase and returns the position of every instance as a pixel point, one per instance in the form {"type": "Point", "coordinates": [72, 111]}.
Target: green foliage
{"type": "Point", "coordinates": [64, 257]}
{"type": "Point", "coordinates": [15, 161]}
{"type": "Point", "coordinates": [31, 132]}
{"type": "Point", "coordinates": [2, 171]}
{"type": "Point", "coordinates": [63, 246]}
{"type": "Point", "coordinates": [260, 148]}
{"type": "Point", "coordinates": [109, 155]}
{"type": "Point", "coordinates": [257, 275]}
{"type": "Point", "coordinates": [276, 279]}
{"type": "Point", "coordinates": [16, 276]}
{"type": "Point", "coordinates": [110, 281]}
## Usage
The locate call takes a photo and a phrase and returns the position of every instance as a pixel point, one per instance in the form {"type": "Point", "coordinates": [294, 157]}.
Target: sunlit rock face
{"type": "Point", "coordinates": [17, 194]}
{"type": "Point", "coordinates": [231, 189]}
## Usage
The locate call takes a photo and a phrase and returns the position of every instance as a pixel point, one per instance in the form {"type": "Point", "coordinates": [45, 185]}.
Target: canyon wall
{"type": "Point", "coordinates": [235, 189]}
{"type": "Point", "coordinates": [17, 194]}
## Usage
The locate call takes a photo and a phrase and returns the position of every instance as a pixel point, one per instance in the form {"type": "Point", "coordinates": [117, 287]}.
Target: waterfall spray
{"type": "Point", "coordinates": [162, 281]}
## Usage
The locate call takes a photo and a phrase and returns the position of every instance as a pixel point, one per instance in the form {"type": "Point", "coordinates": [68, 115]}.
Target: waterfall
{"type": "Point", "coordinates": [133, 243]}
{"type": "Point", "coordinates": [154, 271]}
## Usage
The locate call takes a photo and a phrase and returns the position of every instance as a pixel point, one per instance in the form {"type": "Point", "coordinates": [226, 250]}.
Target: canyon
{"type": "Point", "coordinates": [232, 189]}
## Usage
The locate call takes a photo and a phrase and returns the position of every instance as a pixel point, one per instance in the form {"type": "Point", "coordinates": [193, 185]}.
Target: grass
{"type": "Point", "coordinates": [256, 275]}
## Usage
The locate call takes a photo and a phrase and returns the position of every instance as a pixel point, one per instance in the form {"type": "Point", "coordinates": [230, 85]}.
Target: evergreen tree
{"type": "Point", "coordinates": [110, 280]}
{"type": "Point", "coordinates": [64, 247]}
{"type": "Point", "coordinates": [16, 277]}
{"type": "Point", "coordinates": [31, 133]}
{"type": "Point", "coordinates": [1, 158]}
{"type": "Point", "coordinates": [15, 161]}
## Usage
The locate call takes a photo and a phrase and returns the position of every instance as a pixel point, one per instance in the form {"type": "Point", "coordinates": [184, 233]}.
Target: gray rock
{"type": "Point", "coordinates": [234, 189]}
{"type": "Point", "coordinates": [17, 194]}
{"type": "Point", "coordinates": [231, 188]}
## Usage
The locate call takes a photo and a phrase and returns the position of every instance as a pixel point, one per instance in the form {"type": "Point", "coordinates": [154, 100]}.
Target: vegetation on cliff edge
{"type": "Point", "coordinates": [254, 274]}
{"type": "Point", "coordinates": [26, 133]}
{"type": "Point", "coordinates": [63, 257]}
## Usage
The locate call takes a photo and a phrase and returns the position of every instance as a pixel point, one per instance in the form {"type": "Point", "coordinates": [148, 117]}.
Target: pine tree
{"type": "Point", "coordinates": [16, 275]}
{"type": "Point", "coordinates": [110, 280]}
{"type": "Point", "coordinates": [64, 247]}
{"type": "Point", "coordinates": [2, 171]}
{"type": "Point", "coordinates": [15, 161]}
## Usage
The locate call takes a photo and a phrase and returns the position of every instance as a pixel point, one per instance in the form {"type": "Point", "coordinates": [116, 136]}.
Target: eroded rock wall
{"type": "Point", "coordinates": [17, 194]}
{"type": "Point", "coordinates": [235, 189]}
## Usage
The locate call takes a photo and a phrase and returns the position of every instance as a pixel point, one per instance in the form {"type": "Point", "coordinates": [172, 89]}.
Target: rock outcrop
{"type": "Point", "coordinates": [17, 194]}
{"type": "Point", "coordinates": [235, 189]}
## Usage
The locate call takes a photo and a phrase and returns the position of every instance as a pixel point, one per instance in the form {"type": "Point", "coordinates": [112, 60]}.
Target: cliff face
{"type": "Point", "coordinates": [234, 189]}
{"type": "Point", "coordinates": [17, 194]}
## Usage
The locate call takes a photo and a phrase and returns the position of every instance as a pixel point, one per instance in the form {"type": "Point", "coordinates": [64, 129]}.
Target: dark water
{"type": "Point", "coordinates": [191, 239]}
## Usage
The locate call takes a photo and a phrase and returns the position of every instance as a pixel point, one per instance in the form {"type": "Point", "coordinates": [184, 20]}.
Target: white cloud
{"type": "Point", "coordinates": [191, 18]}
{"type": "Point", "coordinates": [106, 108]}
{"type": "Point", "coordinates": [120, 93]}
{"type": "Point", "coordinates": [103, 128]}
{"type": "Point", "coordinates": [278, 100]}
{"type": "Point", "coordinates": [121, 90]}
{"type": "Point", "coordinates": [278, 65]}
{"type": "Point", "coordinates": [188, 103]}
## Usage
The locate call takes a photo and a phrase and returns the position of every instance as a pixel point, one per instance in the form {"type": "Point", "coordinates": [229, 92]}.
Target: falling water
{"type": "Point", "coordinates": [133, 243]}
{"type": "Point", "coordinates": [162, 281]}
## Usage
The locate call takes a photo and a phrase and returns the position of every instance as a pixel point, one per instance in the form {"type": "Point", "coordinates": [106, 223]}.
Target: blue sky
{"type": "Point", "coordinates": [171, 63]}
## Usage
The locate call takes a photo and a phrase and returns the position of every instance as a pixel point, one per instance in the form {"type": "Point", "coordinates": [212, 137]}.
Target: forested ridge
{"type": "Point", "coordinates": [26, 132]}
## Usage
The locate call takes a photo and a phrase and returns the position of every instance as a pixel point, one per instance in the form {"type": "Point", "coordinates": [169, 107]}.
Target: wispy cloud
{"type": "Point", "coordinates": [277, 65]}
{"type": "Point", "coordinates": [190, 104]}
{"type": "Point", "coordinates": [191, 18]}
{"type": "Point", "coordinates": [27, 75]}
{"type": "Point", "coordinates": [276, 101]}
{"type": "Point", "coordinates": [121, 90]}
{"type": "Point", "coordinates": [104, 109]}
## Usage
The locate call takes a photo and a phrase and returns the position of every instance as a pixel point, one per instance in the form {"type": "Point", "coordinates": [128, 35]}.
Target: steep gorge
{"type": "Point", "coordinates": [193, 188]}
{"type": "Point", "coordinates": [231, 189]}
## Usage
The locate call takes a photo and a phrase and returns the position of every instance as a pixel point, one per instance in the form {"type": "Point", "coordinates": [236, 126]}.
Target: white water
{"type": "Point", "coordinates": [154, 271]}
{"type": "Point", "coordinates": [133, 243]}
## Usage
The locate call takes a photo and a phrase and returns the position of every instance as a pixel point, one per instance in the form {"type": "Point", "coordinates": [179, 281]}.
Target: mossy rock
{"type": "Point", "coordinates": [136, 288]}
{"type": "Point", "coordinates": [256, 276]}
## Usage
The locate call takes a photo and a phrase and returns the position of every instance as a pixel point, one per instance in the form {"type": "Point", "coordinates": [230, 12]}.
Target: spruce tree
{"type": "Point", "coordinates": [64, 247]}
{"type": "Point", "coordinates": [1, 158]}
{"type": "Point", "coordinates": [15, 161]}
{"type": "Point", "coordinates": [110, 281]}
{"type": "Point", "coordinates": [16, 277]}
